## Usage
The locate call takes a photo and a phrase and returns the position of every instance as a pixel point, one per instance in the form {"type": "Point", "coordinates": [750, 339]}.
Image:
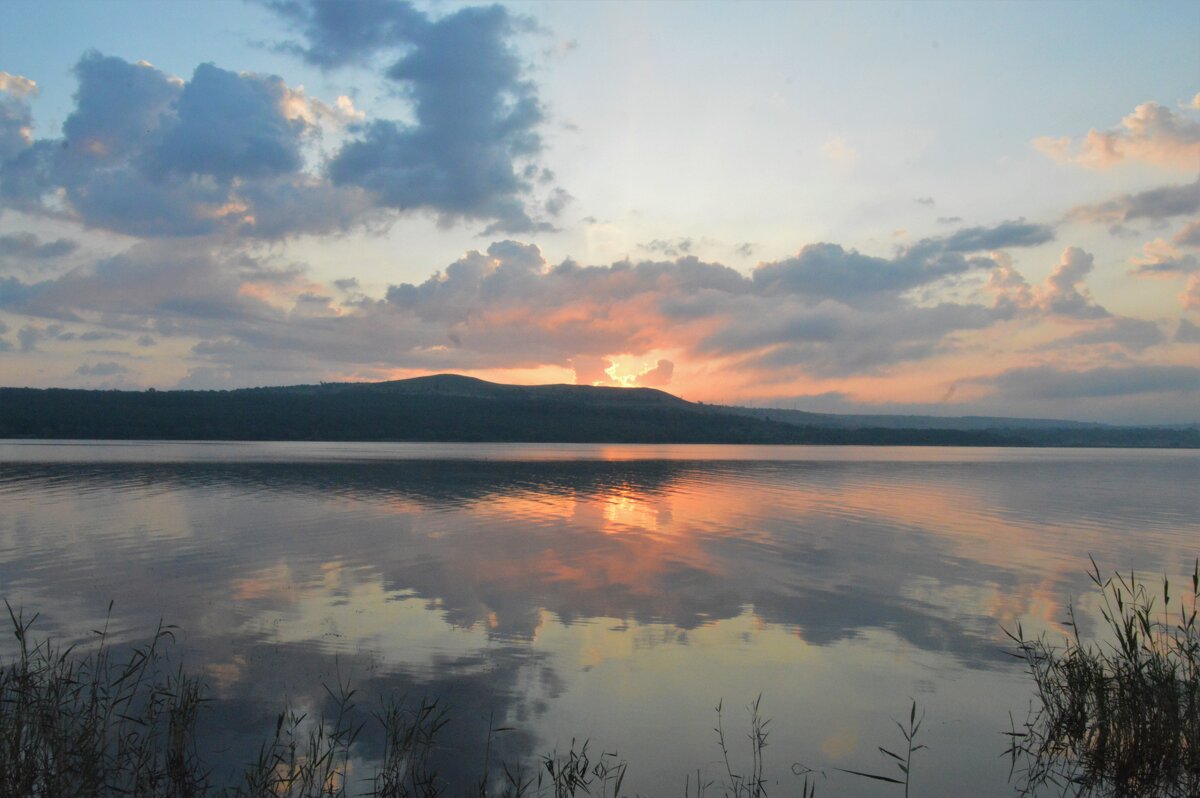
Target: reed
{"type": "Point", "coordinates": [1119, 717]}
{"type": "Point", "coordinates": [97, 723]}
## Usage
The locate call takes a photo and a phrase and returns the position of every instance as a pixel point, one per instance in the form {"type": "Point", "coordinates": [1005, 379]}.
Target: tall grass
{"type": "Point", "coordinates": [1120, 717]}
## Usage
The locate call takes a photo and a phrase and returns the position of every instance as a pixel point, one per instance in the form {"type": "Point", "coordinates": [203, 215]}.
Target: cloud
{"type": "Point", "coordinates": [924, 201]}
{"type": "Point", "coordinates": [1191, 293]}
{"type": "Point", "coordinates": [949, 219]}
{"type": "Point", "coordinates": [591, 370]}
{"type": "Point", "coordinates": [155, 286]}
{"type": "Point", "coordinates": [1187, 333]}
{"type": "Point", "coordinates": [227, 125]}
{"type": "Point", "coordinates": [558, 200]}
{"type": "Point", "coordinates": [1153, 134]}
{"type": "Point", "coordinates": [1159, 259]}
{"type": "Point", "coordinates": [829, 271]}
{"type": "Point", "coordinates": [30, 247]}
{"type": "Point", "coordinates": [103, 369]}
{"type": "Point", "coordinates": [16, 118]}
{"type": "Point", "coordinates": [1063, 293]}
{"type": "Point", "coordinates": [828, 312]}
{"type": "Point", "coordinates": [838, 151]}
{"type": "Point", "coordinates": [1189, 236]}
{"type": "Point", "coordinates": [476, 116]}
{"type": "Point", "coordinates": [17, 86]}
{"type": "Point", "coordinates": [1048, 382]}
{"type": "Point", "coordinates": [657, 377]}
{"type": "Point", "coordinates": [1132, 335]}
{"type": "Point", "coordinates": [1155, 204]}
{"type": "Point", "coordinates": [340, 32]}
{"type": "Point", "coordinates": [672, 248]}
{"type": "Point", "coordinates": [147, 154]}
{"type": "Point", "coordinates": [1018, 233]}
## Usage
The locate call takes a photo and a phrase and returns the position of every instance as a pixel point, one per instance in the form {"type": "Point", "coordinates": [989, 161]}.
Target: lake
{"type": "Point", "coordinates": [608, 593]}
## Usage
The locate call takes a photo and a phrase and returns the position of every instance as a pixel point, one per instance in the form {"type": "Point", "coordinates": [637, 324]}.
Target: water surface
{"type": "Point", "coordinates": [615, 593]}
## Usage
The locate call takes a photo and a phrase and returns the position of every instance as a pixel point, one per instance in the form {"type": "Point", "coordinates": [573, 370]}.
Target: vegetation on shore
{"type": "Point", "coordinates": [1113, 718]}
{"type": "Point", "coordinates": [450, 408]}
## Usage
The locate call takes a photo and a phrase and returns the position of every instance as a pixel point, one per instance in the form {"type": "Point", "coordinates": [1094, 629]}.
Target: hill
{"type": "Point", "coordinates": [449, 408]}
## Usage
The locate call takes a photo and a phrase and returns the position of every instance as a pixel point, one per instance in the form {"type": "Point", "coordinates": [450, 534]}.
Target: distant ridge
{"type": "Point", "coordinates": [451, 407]}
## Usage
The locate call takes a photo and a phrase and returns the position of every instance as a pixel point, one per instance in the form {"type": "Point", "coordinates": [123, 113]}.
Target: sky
{"type": "Point", "coordinates": [945, 208]}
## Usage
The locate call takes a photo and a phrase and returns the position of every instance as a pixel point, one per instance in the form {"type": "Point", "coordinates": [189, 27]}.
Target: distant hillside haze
{"type": "Point", "coordinates": [449, 408]}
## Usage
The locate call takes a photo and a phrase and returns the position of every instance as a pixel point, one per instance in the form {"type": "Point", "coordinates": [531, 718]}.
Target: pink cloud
{"type": "Point", "coordinates": [1152, 134]}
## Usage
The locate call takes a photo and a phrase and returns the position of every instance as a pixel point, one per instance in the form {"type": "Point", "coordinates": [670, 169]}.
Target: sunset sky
{"type": "Point", "coordinates": [948, 208]}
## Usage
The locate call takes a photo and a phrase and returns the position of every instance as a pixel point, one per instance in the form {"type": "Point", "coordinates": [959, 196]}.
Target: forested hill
{"type": "Point", "coordinates": [454, 408]}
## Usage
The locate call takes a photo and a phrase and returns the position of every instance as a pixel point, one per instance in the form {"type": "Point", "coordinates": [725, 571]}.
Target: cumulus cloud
{"type": "Point", "coordinates": [341, 32]}
{"type": "Point", "coordinates": [469, 153]}
{"type": "Point", "coordinates": [827, 312]}
{"type": "Point", "coordinates": [148, 154]}
{"type": "Point", "coordinates": [507, 307]}
{"type": "Point", "coordinates": [1063, 293]}
{"type": "Point", "coordinates": [1153, 133]}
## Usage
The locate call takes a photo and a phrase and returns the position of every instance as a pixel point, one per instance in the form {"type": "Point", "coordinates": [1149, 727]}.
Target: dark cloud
{"type": "Point", "coordinates": [28, 246]}
{"type": "Point", "coordinates": [341, 32]}
{"type": "Point", "coordinates": [229, 126]}
{"type": "Point", "coordinates": [1017, 233]}
{"type": "Point", "coordinates": [146, 154]}
{"type": "Point", "coordinates": [150, 155]}
{"type": "Point", "coordinates": [827, 271]}
{"type": "Point", "coordinates": [476, 116]}
{"type": "Point", "coordinates": [1156, 204]}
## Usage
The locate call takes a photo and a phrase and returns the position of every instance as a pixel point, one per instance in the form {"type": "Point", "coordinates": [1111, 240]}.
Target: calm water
{"type": "Point", "coordinates": [607, 592]}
